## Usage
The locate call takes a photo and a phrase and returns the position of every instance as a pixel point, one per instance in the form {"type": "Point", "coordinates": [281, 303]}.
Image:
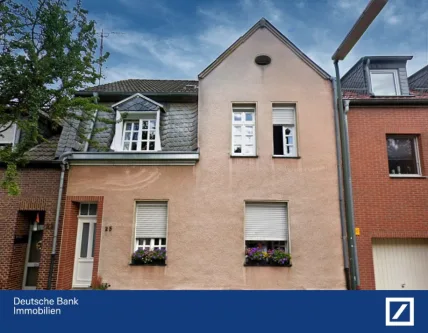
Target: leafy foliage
{"type": "Point", "coordinates": [98, 284]}
{"type": "Point", "coordinates": [47, 53]}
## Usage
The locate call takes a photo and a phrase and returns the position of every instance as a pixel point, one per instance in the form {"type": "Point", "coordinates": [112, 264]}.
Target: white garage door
{"type": "Point", "coordinates": [401, 264]}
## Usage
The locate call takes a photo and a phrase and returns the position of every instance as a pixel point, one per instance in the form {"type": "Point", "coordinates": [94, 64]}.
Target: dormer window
{"type": "Point", "coordinates": [137, 125]}
{"type": "Point", "coordinates": [385, 82]}
{"type": "Point", "coordinates": [139, 135]}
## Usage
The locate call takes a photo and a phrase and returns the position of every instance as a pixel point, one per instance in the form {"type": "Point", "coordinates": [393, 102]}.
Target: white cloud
{"type": "Point", "coordinates": [390, 14]}
{"type": "Point", "coordinates": [127, 71]}
{"type": "Point", "coordinates": [301, 4]}
{"type": "Point", "coordinates": [219, 36]}
{"type": "Point", "coordinates": [177, 54]}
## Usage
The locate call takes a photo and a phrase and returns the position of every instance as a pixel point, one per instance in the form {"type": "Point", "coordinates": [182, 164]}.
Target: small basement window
{"type": "Point", "coordinates": [403, 155]}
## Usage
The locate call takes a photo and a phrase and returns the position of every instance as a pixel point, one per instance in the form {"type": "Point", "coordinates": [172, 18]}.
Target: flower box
{"type": "Point", "coordinates": [149, 257]}
{"type": "Point", "coordinates": [257, 257]}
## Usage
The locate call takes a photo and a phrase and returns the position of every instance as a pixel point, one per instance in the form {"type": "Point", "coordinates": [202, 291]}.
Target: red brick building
{"type": "Point", "coordinates": [387, 115]}
{"type": "Point", "coordinates": [27, 222]}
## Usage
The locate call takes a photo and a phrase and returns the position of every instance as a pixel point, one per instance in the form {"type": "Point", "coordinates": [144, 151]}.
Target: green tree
{"type": "Point", "coordinates": [47, 53]}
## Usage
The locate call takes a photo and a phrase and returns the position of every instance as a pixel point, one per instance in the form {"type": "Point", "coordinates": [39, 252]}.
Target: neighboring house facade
{"type": "Point", "coordinates": [27, 221]}
{"type": "Point", "coordinates": [387, 116]}
{"type": "Point", "coordinates": [243, 158]}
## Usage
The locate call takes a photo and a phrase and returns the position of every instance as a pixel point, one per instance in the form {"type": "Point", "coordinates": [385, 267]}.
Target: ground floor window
{"type": "Point", "coordinates": [266, 234]}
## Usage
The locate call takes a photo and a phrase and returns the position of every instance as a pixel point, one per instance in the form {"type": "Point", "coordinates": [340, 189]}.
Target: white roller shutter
{"type": "Point", "coordinates": [283, 116]}
{"type": "Point", "coordinates": [266, 221]}
{"type": "Point", "coordinates": [151, 219]}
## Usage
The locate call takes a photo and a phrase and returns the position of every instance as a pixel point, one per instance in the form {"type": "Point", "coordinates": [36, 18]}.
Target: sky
{"type": "Point", "coordinates": [177, 39]}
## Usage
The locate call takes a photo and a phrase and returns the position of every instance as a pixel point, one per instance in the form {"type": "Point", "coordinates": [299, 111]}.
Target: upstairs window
{"type": "Point", "coordinates": [284, 131]}
{"type": "Point", "coordinates": [244, 131]}
{"type": "Point", "coordinates": [7, 135]}
{"type": "Point", "coordinates": [139, 135]}
{"type": "Point", "coordinates": [403, 155]}
{"type": "Point", "coordinates": [385, 82]}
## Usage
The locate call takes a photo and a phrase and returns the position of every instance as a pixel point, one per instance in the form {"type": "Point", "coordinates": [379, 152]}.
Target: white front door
{"type": "Point", "coordinates": [84, 257]}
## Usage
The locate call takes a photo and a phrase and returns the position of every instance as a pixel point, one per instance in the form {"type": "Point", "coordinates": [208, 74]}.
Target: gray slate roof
{"type": "Point", "coordinates": [103, 132]}
{"type": "Point", "coordinates": [147, 86]}
{"type": "Point", "coordinates": [44, 151]}
{"type": "Point", "coordinates": [178, 127]}
{"type": "Point", "coordinates": [419, 80]}
{"type": "Point", "coordinates": [355, 82]}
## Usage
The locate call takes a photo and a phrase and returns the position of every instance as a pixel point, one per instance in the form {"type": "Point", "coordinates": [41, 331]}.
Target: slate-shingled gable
{"type": "Point", "coordinates": [179, 127]}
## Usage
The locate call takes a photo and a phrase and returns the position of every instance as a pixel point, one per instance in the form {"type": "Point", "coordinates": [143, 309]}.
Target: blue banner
{"type": "Point", "coordinates": [213, 311]}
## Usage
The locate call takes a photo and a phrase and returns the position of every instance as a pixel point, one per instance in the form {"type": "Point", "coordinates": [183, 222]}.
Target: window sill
{"type": "Point", "coordinates": [267, 265]}
{"type": "Point", "coordinates": [408, 176]}
{"type": "Point", "coordinates": [244, 156]}
{"type": "Point", "coordinates": [291, 157]}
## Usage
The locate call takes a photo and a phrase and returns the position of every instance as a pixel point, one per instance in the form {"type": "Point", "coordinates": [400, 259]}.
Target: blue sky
{"type": "Point", "coordinates": [177, 39]}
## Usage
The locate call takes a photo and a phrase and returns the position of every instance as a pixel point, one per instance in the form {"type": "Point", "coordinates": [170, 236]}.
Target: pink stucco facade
{"type": "Point", "coordinates": [206, 202]}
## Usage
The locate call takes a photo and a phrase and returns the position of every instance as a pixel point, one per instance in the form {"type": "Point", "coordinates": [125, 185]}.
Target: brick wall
{"type": "Point", "coordinates": [39, 192]}
{"type": "Point", "coordinates": [385, 207]}
{"type": "Point", "coordinates": [69, 233]}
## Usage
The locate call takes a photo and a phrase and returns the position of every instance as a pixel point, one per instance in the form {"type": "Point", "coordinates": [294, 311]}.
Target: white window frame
{"type": "Point", "coordinates": [154, 242]}
{"type": "Point", "coordinates": [140, 139]}
{"type": "Point", "coordinates": [243, 124]}
{"type": "Point", "coordinates": [284, 143]}
{"type": "Point", "coordinates": [387, 71]}
{"type": "Point", "coordinates": [417, 157]}
{"type": "Point", "coordinates": [4, 142]}
{"type": "Point", "coordinates": [90, 204]}
{"type": "Point", "coordinates": [292, 127]}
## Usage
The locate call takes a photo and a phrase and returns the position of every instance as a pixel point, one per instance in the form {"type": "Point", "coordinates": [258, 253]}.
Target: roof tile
{"type": "Point", "coordinates": [147, 86]}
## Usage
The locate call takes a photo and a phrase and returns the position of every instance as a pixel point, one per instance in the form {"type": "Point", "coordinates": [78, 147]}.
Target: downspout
{"type": "Point", "coordinates": [368, 80]}
{"type": "Point", "coordinates": [64, 166]}
{"type": "Point", "coordinates": [340, 181]}
{"type": "Point", "coordinates": [347, 186]}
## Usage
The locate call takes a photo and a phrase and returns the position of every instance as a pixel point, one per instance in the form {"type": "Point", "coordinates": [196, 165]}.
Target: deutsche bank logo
{"type": "Point", "coordinates": [400, 311]}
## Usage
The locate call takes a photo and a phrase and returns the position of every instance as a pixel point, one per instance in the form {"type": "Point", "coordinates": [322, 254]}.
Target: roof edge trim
{"type": "Point", "coordinates": [137, 95]}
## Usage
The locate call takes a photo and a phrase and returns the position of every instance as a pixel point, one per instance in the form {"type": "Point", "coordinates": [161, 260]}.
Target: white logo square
{"type": "Point", "coordinates": [407, 304]}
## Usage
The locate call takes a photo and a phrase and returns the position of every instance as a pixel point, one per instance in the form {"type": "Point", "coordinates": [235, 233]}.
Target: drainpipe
{"type": "Point", "coordinates": [64, 166]}
{"type": "Point", "coordinates": [368, 80]}
{"type": "Point", "coordinates": [347, 186]}
{"type": "Point", "coordinates": [340, 179]}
